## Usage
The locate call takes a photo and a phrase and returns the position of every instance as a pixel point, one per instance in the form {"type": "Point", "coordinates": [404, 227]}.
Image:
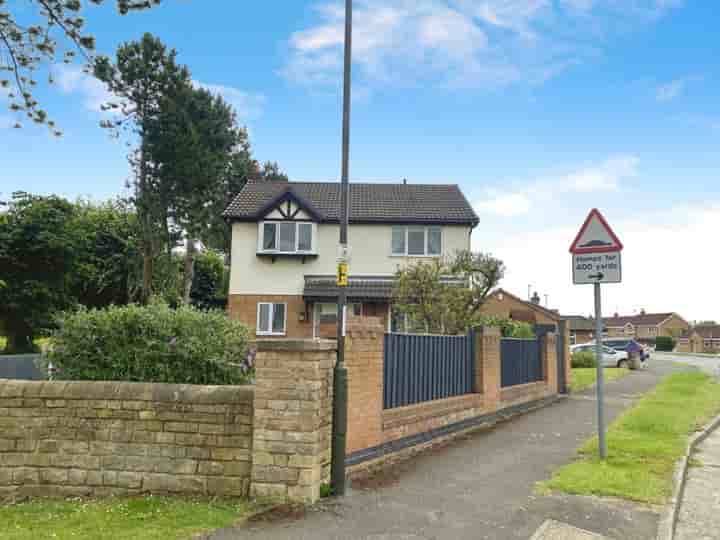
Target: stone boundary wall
{"type": "Point", "coordinates": [377, 436]}
{"type": "Point", "coordinates": [97, 439]}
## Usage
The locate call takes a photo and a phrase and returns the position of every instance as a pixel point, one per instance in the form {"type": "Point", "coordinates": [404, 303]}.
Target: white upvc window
{"type": "Point", "coordinates": [271, 318]}
{"type": "Point", "coordinates": [416, 241]}
{"type": "Point", "coordinates": [286, 237]}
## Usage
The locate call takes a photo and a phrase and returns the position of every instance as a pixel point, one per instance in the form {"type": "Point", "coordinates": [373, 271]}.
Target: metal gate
{"type": "Point", "coordinates": [520, 361]}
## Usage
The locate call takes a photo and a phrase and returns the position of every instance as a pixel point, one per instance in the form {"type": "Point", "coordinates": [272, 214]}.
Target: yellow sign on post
{"type": "Point", "coordinates": [342, 275]}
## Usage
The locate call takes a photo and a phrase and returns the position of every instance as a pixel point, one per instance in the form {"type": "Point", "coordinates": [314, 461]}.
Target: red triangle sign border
{"type": "Point", "coordinates": [595, 213]}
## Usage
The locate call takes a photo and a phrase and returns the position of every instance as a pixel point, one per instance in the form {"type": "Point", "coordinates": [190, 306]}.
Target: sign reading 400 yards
{"type": "Point", "coordinates": [596, 252]}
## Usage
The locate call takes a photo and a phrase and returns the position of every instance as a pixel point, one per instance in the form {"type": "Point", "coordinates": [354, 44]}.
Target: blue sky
{"type": "Point", "coordinates": [539, 109]}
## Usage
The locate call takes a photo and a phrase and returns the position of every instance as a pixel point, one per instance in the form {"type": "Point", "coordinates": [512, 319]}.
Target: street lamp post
{"type": "Point", "coordinates": [340, 384]}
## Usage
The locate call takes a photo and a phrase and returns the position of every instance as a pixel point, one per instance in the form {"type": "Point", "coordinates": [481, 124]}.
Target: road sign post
{"type": "Point", "coordinates": [596, 258]}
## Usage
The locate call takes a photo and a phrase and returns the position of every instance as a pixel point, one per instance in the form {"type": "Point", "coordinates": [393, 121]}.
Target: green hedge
{"type": "Point", "coordinates": [583, 359]}
{"type": "Point", "coordinates": [665, 343]}
{"type": "Point", "coordinates": [151, 343]}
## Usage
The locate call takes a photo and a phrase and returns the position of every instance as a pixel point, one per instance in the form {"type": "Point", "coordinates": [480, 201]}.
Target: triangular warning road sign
{"type": "Point", "coordinates": [595, 236]}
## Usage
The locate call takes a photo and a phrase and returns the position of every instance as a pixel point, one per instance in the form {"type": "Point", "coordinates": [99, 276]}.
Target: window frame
{"type": "Point", "coordinates": [271, 316]}
{"type": "Point", "coordinates": [426, 240]}
{"type": "Point", "coordinates": [278, 224]}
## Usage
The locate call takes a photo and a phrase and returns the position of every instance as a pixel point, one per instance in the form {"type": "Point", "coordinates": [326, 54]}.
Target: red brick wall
{"type": "Point", "coordinates": [369, 425]}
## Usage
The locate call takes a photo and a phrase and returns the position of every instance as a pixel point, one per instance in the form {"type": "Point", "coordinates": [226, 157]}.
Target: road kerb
{"type": "Point", "coordinates": [668, 520]}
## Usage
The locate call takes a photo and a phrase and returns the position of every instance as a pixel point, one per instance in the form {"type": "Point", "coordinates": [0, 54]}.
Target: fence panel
{"type": "Point", "coordinates": [421, 368]}
{"type": "Point", "coordinates": [520, 361]}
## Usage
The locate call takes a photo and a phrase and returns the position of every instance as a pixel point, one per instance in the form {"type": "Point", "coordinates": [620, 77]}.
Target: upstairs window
{"type": "Point", "coordinates": [417, 241]}
{"type": "Point", "coordinates": [286, 237]}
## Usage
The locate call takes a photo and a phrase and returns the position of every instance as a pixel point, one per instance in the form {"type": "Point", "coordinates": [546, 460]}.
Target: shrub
{"type": "Point", "coordinates": [665, 343]}
{"type": "Point", "coordinates": [151, 343]}
{"type": "Point", "coordinates": [509, 328]}
{"type": "Point", "coordinates": [583, 359]}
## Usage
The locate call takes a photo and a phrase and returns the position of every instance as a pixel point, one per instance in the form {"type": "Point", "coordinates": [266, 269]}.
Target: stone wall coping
{"type": "Point", "coordinates": [296, 345]}
{"type": "Point", "coordinates": [131, 391]}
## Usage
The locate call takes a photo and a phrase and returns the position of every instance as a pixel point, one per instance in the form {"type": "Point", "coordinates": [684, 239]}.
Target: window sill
{"type": "Point", "coordinates": [273, 255]}
{"type": "Point", "coordinates": [397, 256]}
{"type": "Point", "coordinates": [270, 334]}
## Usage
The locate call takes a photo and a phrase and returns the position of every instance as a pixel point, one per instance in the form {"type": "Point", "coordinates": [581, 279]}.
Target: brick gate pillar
{"type": "Point", "coordinates": [292, 418]}
{"type": "Point", "coordinates": [487, 365]}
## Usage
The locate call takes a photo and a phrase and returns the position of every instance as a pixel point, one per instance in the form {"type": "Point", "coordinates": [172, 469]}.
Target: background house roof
{"type": "Point", "coordinates": [708, 331]}
{"type": "Point", "coordinates": [369, 203]}
{"type": "Point", "coordinates": [643, 319]}
{"type": "Point", "coordinates": [578, 322]}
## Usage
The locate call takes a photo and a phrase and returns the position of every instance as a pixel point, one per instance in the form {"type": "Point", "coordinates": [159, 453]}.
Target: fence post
{"type": "Point", "coordinates": [487, 365]}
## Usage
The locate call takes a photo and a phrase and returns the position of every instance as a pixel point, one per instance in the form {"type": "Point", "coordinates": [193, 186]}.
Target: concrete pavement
{"type": "Point", "coordinates": [699, 517]}
{"type": "Point", "coordinates": [482, 487]}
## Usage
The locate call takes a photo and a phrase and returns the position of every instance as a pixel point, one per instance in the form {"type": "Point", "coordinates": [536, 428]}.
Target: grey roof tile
{"type": "Point", "coordinates": [380, 203]}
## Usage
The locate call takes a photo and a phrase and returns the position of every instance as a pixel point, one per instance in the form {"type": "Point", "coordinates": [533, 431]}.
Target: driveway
{"type": "Point", "coordinates": [706, 363]}
{"type": "Point", "coordinates": [482, 486]}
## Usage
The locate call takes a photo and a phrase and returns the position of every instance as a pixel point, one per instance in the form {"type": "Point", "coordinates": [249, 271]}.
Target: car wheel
{"type": "Point", "coordinates": [623, 364]}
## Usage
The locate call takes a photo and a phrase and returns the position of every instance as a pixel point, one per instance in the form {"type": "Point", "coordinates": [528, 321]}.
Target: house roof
{"type": "Point", "coordinates": [369, 203]}
{"type": "Point", "coordinates": [708, 331]}
{"type": "Point", "coordinates": [578, 322]}
{"type": "Point", "coordinates": [536, 307]}
{"type": "Point", "coordinates": [643, 319]}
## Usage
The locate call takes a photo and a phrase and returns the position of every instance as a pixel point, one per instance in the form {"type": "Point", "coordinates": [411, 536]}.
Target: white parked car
{"type": "Point", "coordinates": [610, 357]}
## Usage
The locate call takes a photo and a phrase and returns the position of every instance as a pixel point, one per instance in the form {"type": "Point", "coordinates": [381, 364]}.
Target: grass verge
{"type": "Point", "coordinates": [138, 518]}
{"type": "Point", "coordinates": [644, 443]}
{"type": "Point", "coordinates": [584, 377]}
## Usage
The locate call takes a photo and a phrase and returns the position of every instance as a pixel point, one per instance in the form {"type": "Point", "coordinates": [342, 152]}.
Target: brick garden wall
{"type": "Point", "coordinates": [377, 436]}
{"type": "Point", "coordinates": [91, 438]}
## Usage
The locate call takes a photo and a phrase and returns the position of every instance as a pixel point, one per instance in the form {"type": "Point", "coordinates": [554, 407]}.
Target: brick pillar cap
{"type": "Point", "coordinates": [296, 345]}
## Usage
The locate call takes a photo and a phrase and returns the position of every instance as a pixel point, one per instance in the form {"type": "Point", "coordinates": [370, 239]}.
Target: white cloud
{"type": "Point", "coordinates": [667, 263]}
{"type": "Point", "coordinates": [72, 79]}
{"type": "Point", "coordinates": [460, 42]}
{"type": "Point", "coordinates": [247, 105]}
{"type": "Point", "coordinates": [505, 204]}
{"type": "Point", "coordinates": [673, 89]}
{"type": "Point", "coordinates": [606, 176]}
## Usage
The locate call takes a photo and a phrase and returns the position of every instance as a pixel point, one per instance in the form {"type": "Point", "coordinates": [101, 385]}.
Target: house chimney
{"type": "Point", "coordinates": [404, 181]}
{"type": "Point", "coordinates": [616, 315]}
{"type": "Point", "coordinates": [535, 298]}
{"type": "Point", "coordinates": [642, 311]}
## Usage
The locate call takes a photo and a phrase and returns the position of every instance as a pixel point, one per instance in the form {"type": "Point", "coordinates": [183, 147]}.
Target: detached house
{"type": "Point", "coordinates": [285, 248]}
{"type": "Point", "coordinates": [645, 327]}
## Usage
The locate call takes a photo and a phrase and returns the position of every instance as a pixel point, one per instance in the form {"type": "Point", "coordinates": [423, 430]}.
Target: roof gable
{"type": "Point", "coordinates": [289, 205]}
{"type": "Point", "coordinates": [369, 203]}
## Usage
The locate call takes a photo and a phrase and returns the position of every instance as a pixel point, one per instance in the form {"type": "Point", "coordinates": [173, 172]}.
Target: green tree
{"type": "Point", "coordinates": [194, 146]}
{"type": "Point", "coordinates": [37, 34]}
{"type": "Point", "coordinates": [271, 172]}
{"type": "Point", "coordinates": [36, 254]}
{"type": "Point", "coordinates": [209, 281]}
{"type": "Point", "coordinates": [446, 296]}
{"type": "Point", "coordinates": [105, 246]}
{"type": "Point", "coordinates": [146, 76]}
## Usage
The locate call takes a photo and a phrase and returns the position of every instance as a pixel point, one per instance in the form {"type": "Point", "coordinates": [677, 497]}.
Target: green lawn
{"type": "Point", "coordinates": [584, 377]}
{"type": "Point", "coordinates": [643, 443]}
{"type": "Point", "coordinates": [141, 518]}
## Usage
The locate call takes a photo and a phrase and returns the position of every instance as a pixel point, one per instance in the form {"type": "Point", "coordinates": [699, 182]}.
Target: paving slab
{"type": "Point", "coordinates": [481, 487]}
{"type": "Point", "coordinates": [556, 530]}
{"type": "Point", "coordinates": [699, 516]}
